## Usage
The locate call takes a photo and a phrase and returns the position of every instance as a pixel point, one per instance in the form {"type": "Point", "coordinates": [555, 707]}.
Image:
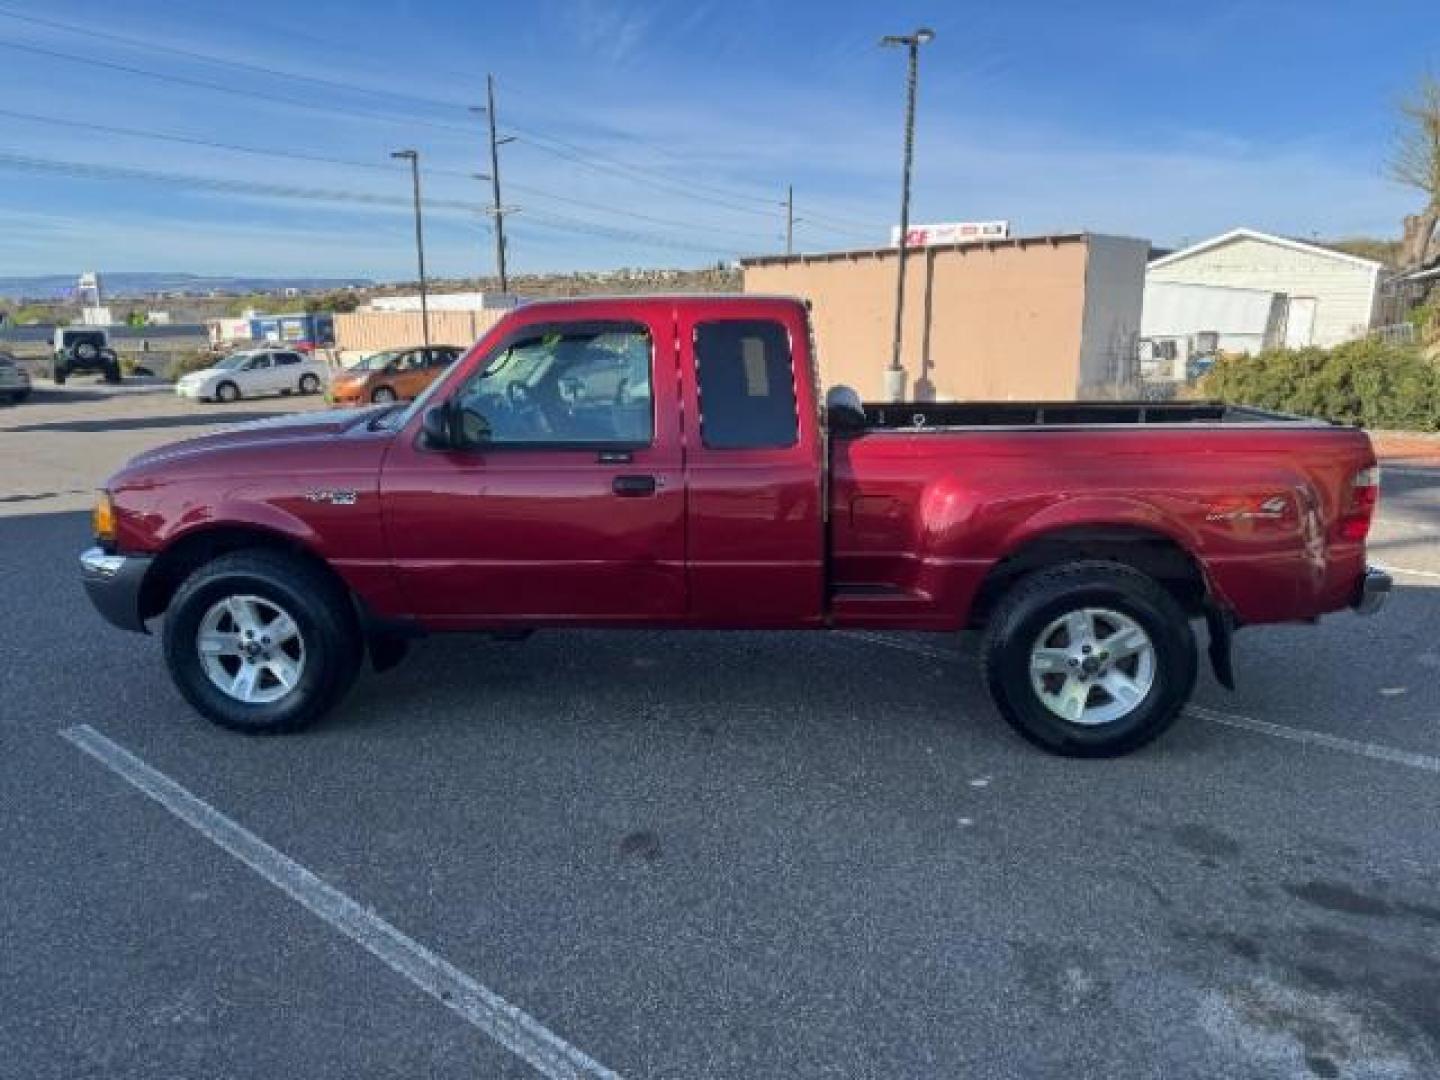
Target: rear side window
{"type": "Point", "coordinates": [287, 358]}
{"type": "Point", "coordinates": [747, 385]}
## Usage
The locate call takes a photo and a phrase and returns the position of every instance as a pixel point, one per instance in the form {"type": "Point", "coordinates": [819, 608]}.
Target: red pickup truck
{"type": "Point", "coordinates": [668, 462]}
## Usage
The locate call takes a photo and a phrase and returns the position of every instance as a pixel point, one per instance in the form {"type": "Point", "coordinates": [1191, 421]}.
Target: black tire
{"type": "Point", "coordinates": [1035, 602]}
{"type": "Point", "coordinates": [309, 384]}
{"type": "Point", "coordinates": [23, 395]}
{"type": "Point", "coordinates": [59, 375]}
{"type": "Point", "coordinates": [112, 374]}
{"type": "Point", "coordinates": [320, 607]}
{"type": "Point", "coordinates": [227, 392]}
{"type": "Point", "coordinates": [85, 351]}
{"type": "Point", "coordinates": [383, 395]}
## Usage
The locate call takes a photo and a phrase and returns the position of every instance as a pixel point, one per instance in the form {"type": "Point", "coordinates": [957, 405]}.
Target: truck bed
{"type": "Point", "coordinates": [916, 415]}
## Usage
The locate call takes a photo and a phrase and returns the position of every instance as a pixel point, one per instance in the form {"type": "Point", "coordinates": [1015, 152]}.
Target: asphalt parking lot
{"type": "Point", "coordinates": [701, 855]}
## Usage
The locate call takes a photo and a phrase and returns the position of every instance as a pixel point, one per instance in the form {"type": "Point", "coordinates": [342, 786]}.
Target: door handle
{"type": "Point", "coordinates": [633, 486]}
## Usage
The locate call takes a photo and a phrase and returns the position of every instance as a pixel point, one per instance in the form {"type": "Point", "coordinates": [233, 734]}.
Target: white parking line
{"type": "Point", "coordinates": [1375, 751]}
{"type": "Point", "coordinates": [1318, 738]}
{"type": "Point", "coordinates": [517, 1031]}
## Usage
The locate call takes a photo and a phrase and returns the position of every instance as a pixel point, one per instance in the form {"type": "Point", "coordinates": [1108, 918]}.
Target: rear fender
{"type": "Point", "coordinates": [1101, 511]}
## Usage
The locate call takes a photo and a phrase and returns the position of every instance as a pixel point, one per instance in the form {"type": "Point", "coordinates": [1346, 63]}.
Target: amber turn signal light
{"type": "Point", "coordinates": [102, 520]}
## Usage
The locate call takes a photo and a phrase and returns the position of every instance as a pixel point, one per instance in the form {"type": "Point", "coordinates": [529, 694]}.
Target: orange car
{"type": "Point", "coordinates": [394, 375]}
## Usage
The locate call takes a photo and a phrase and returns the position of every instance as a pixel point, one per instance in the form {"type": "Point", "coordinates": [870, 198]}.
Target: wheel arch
{"type": "Point", "coordinates": [186, 553]}
{"type": "Point", "coordinates": [1151, 551]}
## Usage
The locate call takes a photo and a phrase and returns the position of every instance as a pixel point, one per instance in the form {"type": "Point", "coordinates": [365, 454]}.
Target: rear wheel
{"type": "Point", "coordinates": [1091, 659]}
{"type": "Point", "coordinates": [383, 395]}
{"type": "Point", "coordinates": [112, 374]}
{"type": "Point", "coordinates": [261, 642]}
{"type": "Point", "coordinates": [227, 392]}
{"type": "Point", "coordinates": [309, 384]}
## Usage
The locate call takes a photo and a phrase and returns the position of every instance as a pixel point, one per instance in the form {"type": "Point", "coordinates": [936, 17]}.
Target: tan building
{"type": "Point", "coordinates": [363, 332]}
{"type": "Point", "coordinates": [1029, 318]}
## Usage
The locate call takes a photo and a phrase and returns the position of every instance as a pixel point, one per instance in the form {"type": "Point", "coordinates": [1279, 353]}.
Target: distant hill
{"type": "Point", "coordinates": [143, 283]}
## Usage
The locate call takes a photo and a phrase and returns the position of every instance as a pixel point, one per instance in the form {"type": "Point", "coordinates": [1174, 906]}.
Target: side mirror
{"type": "Point", "coordinates": [438, 426]}
{"type": "Point", "coordinates": [844, 410]}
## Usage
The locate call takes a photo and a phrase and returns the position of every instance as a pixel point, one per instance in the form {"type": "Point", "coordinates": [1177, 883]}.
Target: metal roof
{"type": "Point", "coordinates": [1265, 238]}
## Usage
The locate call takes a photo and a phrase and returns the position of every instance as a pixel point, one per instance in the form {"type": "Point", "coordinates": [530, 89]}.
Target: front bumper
{"type": "Point", "coordinates": [113, 584]}
{"type": "Point", "coordinates": [194, 390]}
{"type": "Point", "coordinates": [1374, 590]}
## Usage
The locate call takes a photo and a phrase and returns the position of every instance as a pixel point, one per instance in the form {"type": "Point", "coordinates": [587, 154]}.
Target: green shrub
{"type": "Point", "coordinates": [194, 360]}
{"type": "Point", "coordinates": [1426, 318]}
{"type": "Point", "coordinates": [1370, 383]}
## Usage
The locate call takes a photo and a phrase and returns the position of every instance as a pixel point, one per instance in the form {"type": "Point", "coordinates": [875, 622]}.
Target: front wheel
{"type": "Point", "coordinates": [59, 375]}
{"type": "Point", "coordinates": [1091, 659]}
{"type": "Point", "coordinates": [383, 396]}
{"type": "Point", "coordinates": [309, 384]}
{"type": "Point", "coordinates": [227, 392]}
{"type": "Point", "coordinates": [261, 642]}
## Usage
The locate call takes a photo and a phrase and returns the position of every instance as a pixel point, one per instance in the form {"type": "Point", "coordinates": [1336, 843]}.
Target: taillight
{"type": "Point", "coordinates": [1363, 497]}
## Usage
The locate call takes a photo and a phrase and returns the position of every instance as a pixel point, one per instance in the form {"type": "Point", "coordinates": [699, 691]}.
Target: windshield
{"type": "Point", "coordinates": [374, 362]}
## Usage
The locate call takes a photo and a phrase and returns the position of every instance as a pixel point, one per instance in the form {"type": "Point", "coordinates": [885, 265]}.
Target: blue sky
{"type": "Point", "coordinates": [664, 133]}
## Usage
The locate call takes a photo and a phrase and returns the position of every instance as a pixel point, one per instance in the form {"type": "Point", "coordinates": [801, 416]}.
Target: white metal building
{"type": "Point", "coordinates": [1329, 296]}
{"type": "Point", "coordinates": [1181, 321]}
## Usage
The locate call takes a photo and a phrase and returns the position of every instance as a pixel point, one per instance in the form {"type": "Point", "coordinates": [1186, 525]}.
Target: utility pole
{"type": "Point", "coordinates": [789, 219]}
{"type": "Point", "coordinates": [496, 210]}
{"type": "Point", "coordinates": [895, 374]}
{"type": "Point", "coordinates": [413, 157]}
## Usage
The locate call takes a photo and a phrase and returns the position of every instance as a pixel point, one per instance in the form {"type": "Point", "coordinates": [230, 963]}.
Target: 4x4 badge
{"type": "Point", "coordinates": [335, 497]}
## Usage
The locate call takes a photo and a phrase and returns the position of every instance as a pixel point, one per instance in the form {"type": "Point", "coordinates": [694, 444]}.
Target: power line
{"type": "Point", "coordinates": [182, 80]}
{"type": "Point", "coordinates": [210, 58]}
{"type": "Point", "coordinates": [661, 148]}
{"type": "Point", "coordinates": [579, 155]}
{"type": "Point", "coordinates": [681, 188]}
{"type": "Point", "coordinates": [91, 171]}
{"type": "Point", "coordinates": [688, 189]}
{"type": "Point", "coordinates": [292, 155]}
{"type": "Point", "coordinates": [213, 144]}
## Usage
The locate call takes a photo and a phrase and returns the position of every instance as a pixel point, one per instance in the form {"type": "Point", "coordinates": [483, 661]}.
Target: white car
{"type": "Point", "coordinates": [254, 374]}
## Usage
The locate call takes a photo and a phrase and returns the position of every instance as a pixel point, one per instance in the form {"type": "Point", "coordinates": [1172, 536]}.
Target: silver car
{"type": "Point", "coordinates": [14, 379]}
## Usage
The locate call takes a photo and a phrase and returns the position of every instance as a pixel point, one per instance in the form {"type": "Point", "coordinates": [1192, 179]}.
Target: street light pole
{"type": "Point", "coordinates": [895, 374]}
{"type": "Point", "coordinates": [413, 157]}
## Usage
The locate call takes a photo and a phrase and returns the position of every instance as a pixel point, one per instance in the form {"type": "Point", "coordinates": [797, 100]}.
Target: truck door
{"type": "Point", "coordinates": [755, 548]}
{"type": "Point", "coordinates": [570, 508]}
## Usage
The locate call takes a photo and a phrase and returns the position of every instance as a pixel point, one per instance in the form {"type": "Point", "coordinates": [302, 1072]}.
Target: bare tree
{"type": "Point", "coordinates": [1416, 162]}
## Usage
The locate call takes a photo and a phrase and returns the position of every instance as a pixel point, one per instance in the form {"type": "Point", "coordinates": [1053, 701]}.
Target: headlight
{"type": "Point", "coordinates": [102, 520]}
